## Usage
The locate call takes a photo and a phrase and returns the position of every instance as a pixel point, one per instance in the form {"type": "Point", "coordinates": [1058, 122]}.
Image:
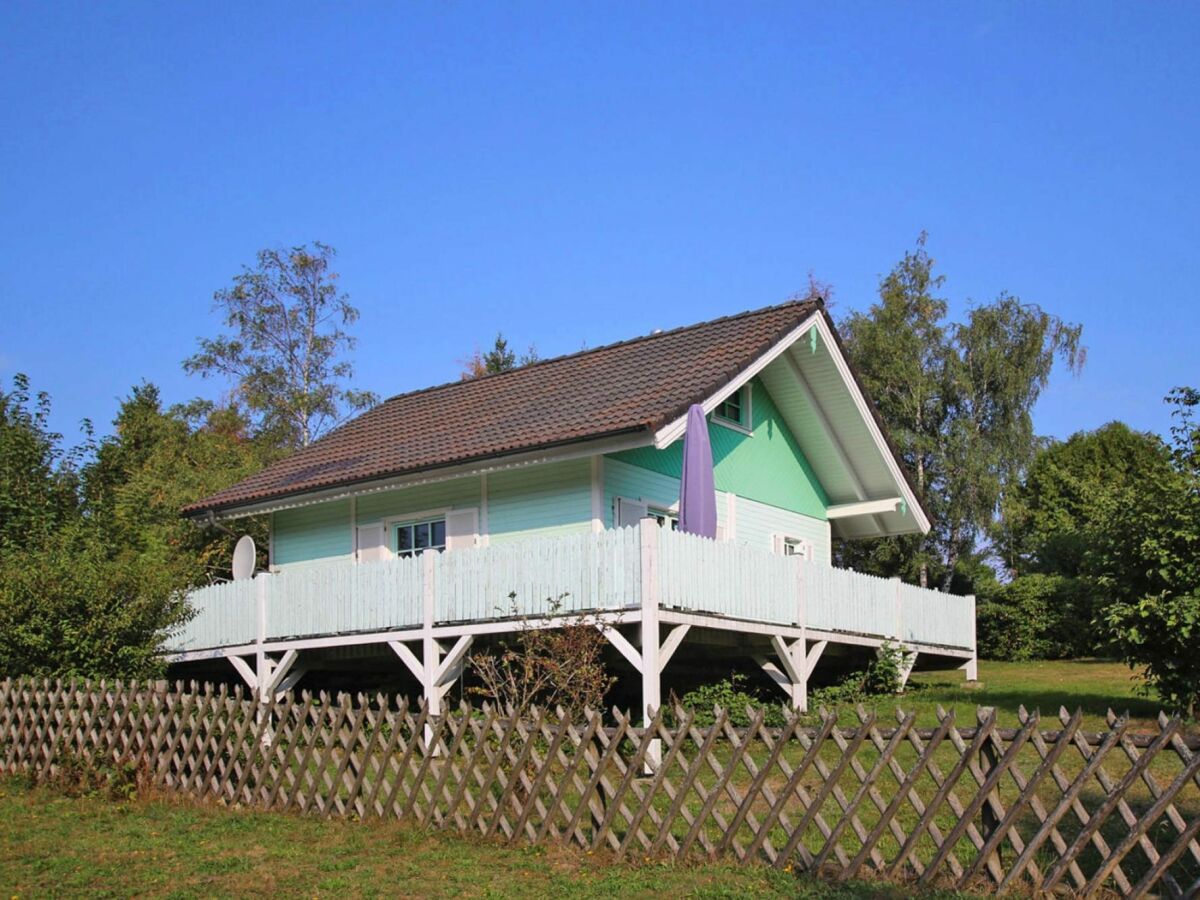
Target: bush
{"type": "Point", "coordinates": [731, 695]}
{"type": "Point", "coordinates": [1039, 617]}
{"type": "Point", "coordinates": [69, 607]}
{"type": "Point", "coordinates": [1162, 634]}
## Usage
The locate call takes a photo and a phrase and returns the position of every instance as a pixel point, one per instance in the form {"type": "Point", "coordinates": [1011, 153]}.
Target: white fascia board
{"type": "Point", "coordinates": [483, 467]}
{"type": "Point", "coordinates": [865, 508]}
{"type": "Point", "coordinates": [673, 431]}
{"type": "Point", "coordinates": [864, 410]}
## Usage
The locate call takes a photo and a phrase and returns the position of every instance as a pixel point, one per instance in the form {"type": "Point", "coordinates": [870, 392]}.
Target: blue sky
{"type": "Point", "coordinates": [575, 173]}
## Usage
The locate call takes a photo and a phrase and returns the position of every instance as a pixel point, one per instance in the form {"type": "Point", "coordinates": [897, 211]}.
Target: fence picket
{"type": "Point", "coordinates": [723, 789]}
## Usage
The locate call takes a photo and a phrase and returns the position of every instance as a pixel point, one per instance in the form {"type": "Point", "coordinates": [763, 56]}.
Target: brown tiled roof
{"type": "Point", "coordinates": [637, 385]}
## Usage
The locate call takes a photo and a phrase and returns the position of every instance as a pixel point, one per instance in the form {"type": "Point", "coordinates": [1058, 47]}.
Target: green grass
{"type": "Point", "coordinates": [1093, 685]}
{"type": "Point", "coordinates": [52, 845]}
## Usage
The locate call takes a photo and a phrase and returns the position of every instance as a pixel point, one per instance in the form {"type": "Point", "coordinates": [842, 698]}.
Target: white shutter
{"type": "Point", "coordinates": [462, 529]}
{"type": "Point", "coordinates": [371, 545]}
{"type": "Point", "coordinates": [777, 544]}
{"type": "Point", "coordinates": [628, 512]}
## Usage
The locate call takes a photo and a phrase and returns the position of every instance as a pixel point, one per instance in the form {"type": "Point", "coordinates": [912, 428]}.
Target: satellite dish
{"type": "Point", "coordinates": [244, 556]}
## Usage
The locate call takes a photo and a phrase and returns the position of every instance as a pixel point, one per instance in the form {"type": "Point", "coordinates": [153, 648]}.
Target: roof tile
{"type": "Point", "coordinates": [637, 385]}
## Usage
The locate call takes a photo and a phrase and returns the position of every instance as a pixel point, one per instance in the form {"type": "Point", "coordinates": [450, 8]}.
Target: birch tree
{"type": "Point", "coordinates": [958, 399]}
{"type": "Point", "coordinates": [286, 350]}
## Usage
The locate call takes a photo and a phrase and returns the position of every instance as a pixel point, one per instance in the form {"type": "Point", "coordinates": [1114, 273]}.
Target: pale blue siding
{"type": "Point", "coordinates": [758, 523]}
{"type": "Point", "coordinates": [542, 500]}
{"type": "Point", "coordinates": [459, 493]}
{"type": "Point", "coordinates": [622, 479]}
{"type": "Point", "coordinates": [317, 532]}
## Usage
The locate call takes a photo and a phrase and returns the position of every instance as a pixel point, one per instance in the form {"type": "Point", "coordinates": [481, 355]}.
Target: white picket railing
{"type": "Point", "coordinates": [727, 579]}
{"type": "Point", "coordinates": [225, 615]}
{"type": "Point", "coordinates": [580, 573]}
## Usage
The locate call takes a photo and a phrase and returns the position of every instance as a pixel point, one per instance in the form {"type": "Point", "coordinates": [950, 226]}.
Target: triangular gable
{"type": "Point", "coordinates": [812, 383]}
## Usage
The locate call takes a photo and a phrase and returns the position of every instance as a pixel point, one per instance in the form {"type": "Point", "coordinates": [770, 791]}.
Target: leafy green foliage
{"type": "Point", "coordinates": [1039, 617]}
{"type": "Point", "coordinates": [285, 352]}
{"type": "Point", "coordinates": [1145, 552]}
{"type": "Point", "coordinates": [158, 461]}
{"type": "Point", "coordinates": [1162, 634]}
{"type": "Point", "coordinates": [38, 479]}
{"type": "Point", "coordinates": [732, 695]}
{"type": "Point", "coordinates": [958, 400]}
{"type": "Point", "coordinates": [96, 559]}
{"type": "Point", "coordinates": [70, 606]}
{"type": "Point", "coordinates": [1048, 514]}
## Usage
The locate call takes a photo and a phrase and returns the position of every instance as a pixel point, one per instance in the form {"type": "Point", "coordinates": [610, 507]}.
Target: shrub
{"type": "Point", "coordinates": [732, 695]}
{"type": "Point", "coordinates": [1162, 634]}
{"type": "Point", "coordinates": [1039, 617]}
{"type": "Point", "coordinates": [547, 666]}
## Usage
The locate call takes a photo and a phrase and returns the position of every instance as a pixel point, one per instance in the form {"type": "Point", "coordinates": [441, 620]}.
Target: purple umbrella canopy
{"type": "Point", "coordinates": [697, 495]}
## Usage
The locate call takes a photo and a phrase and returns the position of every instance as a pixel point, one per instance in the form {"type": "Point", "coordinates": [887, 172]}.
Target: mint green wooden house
{"type": "Point", "coordinates": [454, 514]}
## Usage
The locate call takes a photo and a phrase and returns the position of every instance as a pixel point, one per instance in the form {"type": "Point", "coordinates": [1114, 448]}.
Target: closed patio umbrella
{"type": "Point", "coordinates": [697, 495]}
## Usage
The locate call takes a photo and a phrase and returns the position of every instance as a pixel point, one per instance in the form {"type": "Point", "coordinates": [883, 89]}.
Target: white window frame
{"type": "Point", "coordinates": [802, 547]}
{"type": "Point", "coordinates": [416, 518]}
{"type": "Point", "coordinates": [745, 393]}
{"type": "Point", "coordinates": [669, 515]}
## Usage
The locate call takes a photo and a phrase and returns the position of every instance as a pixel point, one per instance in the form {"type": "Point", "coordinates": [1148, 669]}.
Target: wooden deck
{"type": "Point", "coordinates": [643, 575]}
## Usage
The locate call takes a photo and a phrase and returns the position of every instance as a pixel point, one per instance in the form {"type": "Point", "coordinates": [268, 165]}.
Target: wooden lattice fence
{"type": "Point", "coordinates": [971, 804]}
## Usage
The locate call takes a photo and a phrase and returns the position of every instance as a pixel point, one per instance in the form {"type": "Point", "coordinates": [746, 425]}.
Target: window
{"type": "Point", "coordinates": [414, 538]}
{"type": "Point", "coordinates": [797, 547]}
{"type": "Point", "coordinates": [665, 518]}
{"type": "Point", "coordinates": [735, 409]}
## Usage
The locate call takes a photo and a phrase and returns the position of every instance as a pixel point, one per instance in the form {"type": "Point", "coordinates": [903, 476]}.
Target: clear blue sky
{"type": "Point", "coordinates": [576, 173]}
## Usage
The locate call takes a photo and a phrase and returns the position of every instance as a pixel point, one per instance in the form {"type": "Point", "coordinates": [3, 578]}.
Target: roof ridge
{"type": "Point", "coordinates": [814, 303]}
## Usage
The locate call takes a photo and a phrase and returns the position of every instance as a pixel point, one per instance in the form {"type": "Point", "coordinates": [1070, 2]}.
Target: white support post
{"type": "Point", "coordinates": [430, 652]}
{"type": "Point", "coordinates": [792, 658]}
{"type": "Point", "coordinates": [451, 666]}
{"type": "Point", "coordinates": [800, 691]}
{"type": "Point", "coordinates": [907, 661]}
{"type": "Point", "coordinates": [262, 663]}
{"type": "Point", "coordinates": [651, 670]}
{"type": "Point", "coordinates": [971, 666]}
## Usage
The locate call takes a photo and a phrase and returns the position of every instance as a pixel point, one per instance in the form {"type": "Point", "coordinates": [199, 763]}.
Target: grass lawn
{"type": "Point", "coordinates": [1092, 685]}
{"type": "Point", "coordinates": [52, 845]}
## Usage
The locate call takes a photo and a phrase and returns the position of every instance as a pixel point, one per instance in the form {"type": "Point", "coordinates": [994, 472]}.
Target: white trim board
{"type": "Point", "coordinates": [673, 431]}
{"type": "Point", "coordinates": [860, 401]}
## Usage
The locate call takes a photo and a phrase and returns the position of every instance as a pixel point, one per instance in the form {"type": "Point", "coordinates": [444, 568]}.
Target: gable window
{"type": "Point", "coordinates": [734, 410]}
{"type": "Point", "coordinates": [414, 538]}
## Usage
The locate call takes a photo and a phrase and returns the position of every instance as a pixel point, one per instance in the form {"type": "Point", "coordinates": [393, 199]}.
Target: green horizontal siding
{"type": "Point", "coordinates": [539, 501]}
{"type": "Point", "coordinates": [308, 533]}
{"type": "Point", "coordinates": [767, 465]}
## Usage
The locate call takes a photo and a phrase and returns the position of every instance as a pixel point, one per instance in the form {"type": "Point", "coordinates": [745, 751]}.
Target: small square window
{"type": "Point", "coordinates": [797, 547]}
{"type": "Point", "coordinates": [665, 518]}
{"type": "Point", "coordinates": [735, 409]}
